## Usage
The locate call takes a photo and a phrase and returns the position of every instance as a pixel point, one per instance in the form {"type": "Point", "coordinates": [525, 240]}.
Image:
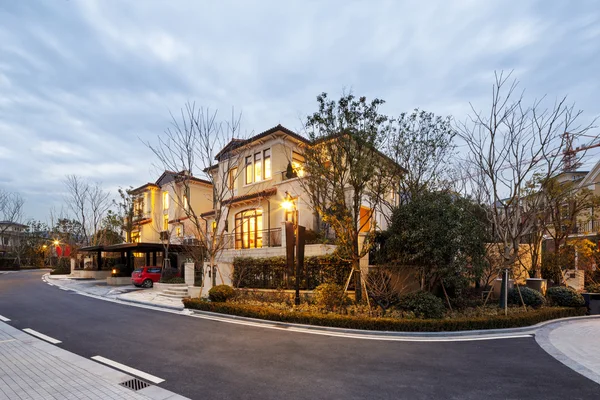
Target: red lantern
{"type": "Point", "coordinates": [58, 251]}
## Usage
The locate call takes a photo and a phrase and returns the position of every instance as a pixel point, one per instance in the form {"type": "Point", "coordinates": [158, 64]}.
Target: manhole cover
{"type": "Point", "coordinates": [134, 384]}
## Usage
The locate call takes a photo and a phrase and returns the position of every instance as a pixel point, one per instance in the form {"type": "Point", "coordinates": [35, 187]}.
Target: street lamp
{"type": "Point", "coordinates": [56, 242]}
{"type": "Point", "coordinates": [294, 235]}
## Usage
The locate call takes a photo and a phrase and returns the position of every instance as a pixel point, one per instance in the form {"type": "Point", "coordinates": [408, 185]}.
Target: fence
{"type": "Point", "coordinates": [254, 239]}
{"type": "Point", "coordinates": [273, 273]}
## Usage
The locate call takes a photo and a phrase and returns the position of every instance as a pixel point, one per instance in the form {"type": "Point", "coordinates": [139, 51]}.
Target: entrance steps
{"type": "Point", "coordinates": [175, 292]}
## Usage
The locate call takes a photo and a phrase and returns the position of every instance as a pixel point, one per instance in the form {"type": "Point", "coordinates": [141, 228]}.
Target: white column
{"type": "Point", "coordinates": [189, 273]}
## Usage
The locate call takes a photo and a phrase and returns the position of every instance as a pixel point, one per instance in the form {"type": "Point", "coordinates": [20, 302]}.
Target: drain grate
{"type": "Point", "coordinates": [135, 384]}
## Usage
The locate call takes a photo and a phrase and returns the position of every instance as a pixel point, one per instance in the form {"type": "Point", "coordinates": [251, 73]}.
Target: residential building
{"type": "Point", "coordinates": [11, 234]}
{"type": "Point", "coordinates": [160, 208]}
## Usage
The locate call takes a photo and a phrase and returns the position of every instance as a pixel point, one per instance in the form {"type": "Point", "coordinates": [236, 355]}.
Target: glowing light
{"type": "Point", "coordinates": [287, 205]}
{"type": "Point", "coordinates": [114, 271]}
{"type": "Point", "coordinates": [44, 246]}
{"type": "Point", "coordinates": [56, 242]}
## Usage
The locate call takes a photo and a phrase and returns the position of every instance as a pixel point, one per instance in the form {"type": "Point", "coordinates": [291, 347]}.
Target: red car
{"type": "Point", "coordinates": [146, 276]}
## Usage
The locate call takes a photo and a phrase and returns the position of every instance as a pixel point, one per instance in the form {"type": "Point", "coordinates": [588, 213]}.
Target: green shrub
{"type": "Point", "coordinates": [221, 293]}
{"type": "Point", "coordinates": [63, 267]}
{"type": "Point", "coordinates": [386, 324]}
{"type": "Point", "coordinates": [592, 288]}
{"type": "Point", "coordinates": [330, 296]}
{"type": "Point", "coordinates": [175, 279]}
{"type": "Point", "coordinates": [531, 297]}
{"type": "Point", "coordinates": [423, 305]}
{"type": "Point", "coordinates": [565, 297]}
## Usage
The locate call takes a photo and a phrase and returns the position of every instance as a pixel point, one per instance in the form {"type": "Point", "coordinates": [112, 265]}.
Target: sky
{"type": "Point", "coordinates": [83, 83]}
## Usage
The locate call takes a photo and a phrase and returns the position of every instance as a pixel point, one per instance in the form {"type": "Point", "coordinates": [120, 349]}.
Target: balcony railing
{"type": "Point", "coordinates": [589, 227]}
{"type": "Point", "coordinates": [253, 240]}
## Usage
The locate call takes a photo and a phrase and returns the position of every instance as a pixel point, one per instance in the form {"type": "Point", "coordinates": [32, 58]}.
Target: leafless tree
{"type": "Point", "coordinates": [199, 143]}
{"type": "Point", "coordinates": [385, 285]}
{"type": "Point", "coordinates": [89, 204]}
{"type": "Point", "coordinates": [11, 208]}
{"type": "Point", "coordinates": [511, 147]}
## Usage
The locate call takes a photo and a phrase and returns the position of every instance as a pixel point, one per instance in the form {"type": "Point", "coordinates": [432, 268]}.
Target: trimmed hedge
{"type": "Point", "coordinates": [385, 324]}
{"type": "Point", "coordinates": [273, 273]}
{"type": "Point", "coordinates": [531, 297]}
{"type": "Point", "coordinates": [221, 293]}
{"type": "Point", "coordinates": [565, 297]}
{"type": "Point", "coordinates": [423, 304]}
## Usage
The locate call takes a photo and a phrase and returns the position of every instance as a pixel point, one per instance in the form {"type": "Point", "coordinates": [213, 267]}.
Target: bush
{"type": "Point", "coordinates": [386, 324]}
{"type": "Point", "coordinates": [63, 267]}
{"type": "Point", "coordinates": [175, 279]}
{"type": "Point", "coordinates": [423, 305]}
{"type": "Point", "coordinates": [593, 288]}
{"type": "Point", "coordinates": [565, 297]}
{"type": "Point", "coordinates": [531, 297]}
{"type": "Point", "coordinates": [221, 293]}
{"type": "Point", "coordinates": [330, 296]}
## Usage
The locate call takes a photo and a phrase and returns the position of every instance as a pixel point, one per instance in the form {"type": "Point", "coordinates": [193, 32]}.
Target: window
{"type": "Point", "coordinates": [298, 163]}
{"type": "Point", "coordinates": [257, 167]}
{"type": "Point", "coordinates": [267, 162]}
{"type": "Point", "coordinates": [232, 177]}
{"type": "Point", "coordinates": [364, 224]}
{"type": "Point", "coordinates": [186, 203]}
{"type": "Point", "coordinates": [135, 237]}
{"type": "Point", "coordinates": [165, 200]}
{"type": "Point", "coordinates": [178, 231]}
{"type": "Point", "coordinates": [248, 229]}
{"type": "Point", "coordinates": [249, 171]}
{"type": "Point", "coordinates": [165, 222]}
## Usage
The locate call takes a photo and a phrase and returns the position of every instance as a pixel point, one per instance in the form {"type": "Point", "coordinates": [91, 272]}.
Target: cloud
{"type": "Point", "coordinates": [82, 81]}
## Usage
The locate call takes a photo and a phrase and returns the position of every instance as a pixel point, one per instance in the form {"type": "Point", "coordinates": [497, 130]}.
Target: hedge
{"type": "Point", "coordinates": [273, 273]}
{"type": "Point", "coordinates": [386, 324]}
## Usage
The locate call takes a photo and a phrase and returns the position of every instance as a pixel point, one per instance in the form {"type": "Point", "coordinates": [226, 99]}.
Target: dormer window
{"type": "Point", "coordinates": [258, 166]}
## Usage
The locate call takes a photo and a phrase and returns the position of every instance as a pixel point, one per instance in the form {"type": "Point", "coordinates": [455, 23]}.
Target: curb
{"type": "Point", "coordinates": [474, 333]}
{"type": "Point", "coordinates": [148, 303]}
{"type": "Point", "coordinates": [358, 332]}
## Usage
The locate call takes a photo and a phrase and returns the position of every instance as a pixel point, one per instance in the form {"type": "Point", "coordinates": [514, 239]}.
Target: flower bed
{"type": "Point", "coordinates": [513, 320]}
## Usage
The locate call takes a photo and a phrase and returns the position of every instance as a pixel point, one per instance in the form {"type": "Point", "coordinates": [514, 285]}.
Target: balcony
{"type": "Point", "coordinates": [589, 227]}
{"type": "Point", "coordinates": [253, 240]}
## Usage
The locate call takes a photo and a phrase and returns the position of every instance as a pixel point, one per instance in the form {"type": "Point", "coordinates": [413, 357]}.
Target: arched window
{"type": "Point", "coordinates": [248, 229]}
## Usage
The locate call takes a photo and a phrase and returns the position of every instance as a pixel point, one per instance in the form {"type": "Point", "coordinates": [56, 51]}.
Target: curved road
{"type": "Point", "coordinates": [207, 359]}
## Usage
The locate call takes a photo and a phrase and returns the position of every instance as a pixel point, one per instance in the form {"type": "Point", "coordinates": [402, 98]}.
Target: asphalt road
{"type": "Point", "coordinates": [204, 359]}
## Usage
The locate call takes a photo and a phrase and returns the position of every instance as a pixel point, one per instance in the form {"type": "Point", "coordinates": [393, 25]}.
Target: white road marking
{"type": "Point", "coordinates": [125, 368]}
{"type": "Point", "coordinates": [9, 340]}
{"type": "Point", "coordinates": [266, 325]}
{"type": "Point", "coordinates": [41, 336]}
{"type": "Point", "coordinates": [4, 319]}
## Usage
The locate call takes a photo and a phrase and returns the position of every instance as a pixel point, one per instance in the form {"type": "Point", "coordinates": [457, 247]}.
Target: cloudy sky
{"type": "Point", "coordinates": [82, 81]}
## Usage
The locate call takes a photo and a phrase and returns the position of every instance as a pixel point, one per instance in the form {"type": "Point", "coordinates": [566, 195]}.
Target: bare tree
{"type": "Point", "coordinates": [89, 203]}
{"type": "Point", "coordinates": [199, 143]}
{"type": "Point", "coordinates": [386, 284]}
{"type": "Point", "coordinates": [11, 208]}
{"type": "Point", "coordinates": [511, 147]}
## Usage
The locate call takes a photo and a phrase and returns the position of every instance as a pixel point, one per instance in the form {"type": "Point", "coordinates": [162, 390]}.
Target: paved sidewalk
{"type": "Point", "coordinates": [127, 293]}
{"type": "Point", "coordinates": [33, 369]}
{"type": "Point", "coordinates": [575, 344]}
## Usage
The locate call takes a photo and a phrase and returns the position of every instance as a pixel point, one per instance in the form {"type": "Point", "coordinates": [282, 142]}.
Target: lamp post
{"type": "Point", "coordinates": [294, 238]}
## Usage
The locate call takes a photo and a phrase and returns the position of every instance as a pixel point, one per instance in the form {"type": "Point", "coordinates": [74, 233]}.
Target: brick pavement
{"type": "Point", "coordinates": [33, 369]}
{"type": "Point", "coordinates": [575, 344]}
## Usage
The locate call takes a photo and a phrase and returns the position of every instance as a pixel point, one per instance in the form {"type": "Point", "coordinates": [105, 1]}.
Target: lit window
{"type": "Point", "coordinates": [166, 223]}
{"type": "Point", "coordinates": [232, 177]}
{"type": "Point", "coordinates": [298, 163]}
{"type": "Point", "coordinates": [165, 200]}
{"type": "Point", "coordinates": [248, 229]}
{"type": "Point", "coordinates": [249, 171]}
{"type": "Point", "coordinates": [257, 167]}
{"type": "Point", "coordinates": [178, 231]}
{"type": "Point", "coordinates": [186, 204]}
{"type": "Point", "coordinates": [267, 161]}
